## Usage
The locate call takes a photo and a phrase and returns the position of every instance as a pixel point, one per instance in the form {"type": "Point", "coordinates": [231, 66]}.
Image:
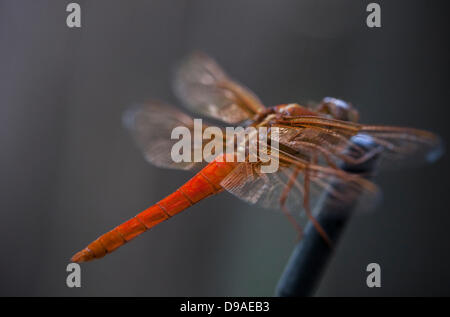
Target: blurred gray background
{"type": "Point", "coordinates": [69, 171]}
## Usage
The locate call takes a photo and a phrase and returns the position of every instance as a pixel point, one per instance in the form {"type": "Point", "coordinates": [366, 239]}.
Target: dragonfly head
{"type": "Point", "coordinates": [338, 109]}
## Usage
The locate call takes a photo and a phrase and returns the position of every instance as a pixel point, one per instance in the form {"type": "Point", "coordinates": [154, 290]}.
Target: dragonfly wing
{"type": "Point", "coordinates": [204, 88]}
{"type": "Point", "coordinates": [320, 144]}
{"type": "Point", "coordinates": [334, 142]}
{"type": "Point", "coordinates": [404, 147]}
{"type": "Point", "coordinates": [294, 185]}
{"type": "Point", "coordinates": [151, 125]}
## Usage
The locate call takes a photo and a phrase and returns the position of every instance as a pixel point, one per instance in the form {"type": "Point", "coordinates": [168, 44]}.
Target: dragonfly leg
{"type": "Point", "coordinates": [308, 212]}
{"type": "Point", "coordinates": [283, 199]}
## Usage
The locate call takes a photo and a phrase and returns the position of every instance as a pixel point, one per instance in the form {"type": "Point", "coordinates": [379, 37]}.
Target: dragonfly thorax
{"type": "Point", "coordinates": [293, 109]}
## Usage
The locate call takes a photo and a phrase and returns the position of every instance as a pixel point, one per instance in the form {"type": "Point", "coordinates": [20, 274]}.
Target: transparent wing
{"type": "Point", "coordinates": [298, 185]}
{"type": "Point", "coordinates": [204, 88]}
{"type": "Point", "coordinates": [333, 141]}
{"type": "Point", "coordinates": [321, 156]}
{"type": "Point", "coordinates": [404, 147]}
{"type": "Point", "coordinates": [151, 125]}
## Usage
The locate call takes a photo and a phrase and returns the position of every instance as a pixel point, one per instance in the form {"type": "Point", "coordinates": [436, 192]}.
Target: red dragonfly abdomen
{"type": "Point", "coordinates": [205, 183]}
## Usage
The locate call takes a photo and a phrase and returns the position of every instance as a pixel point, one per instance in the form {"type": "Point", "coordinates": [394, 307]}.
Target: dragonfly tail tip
{"type": "Point", "coordinates": [82, 256]}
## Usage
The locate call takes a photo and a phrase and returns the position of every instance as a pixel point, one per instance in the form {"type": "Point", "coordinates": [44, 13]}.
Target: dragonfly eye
{"type": "Point", "coordinates": [338, 109]}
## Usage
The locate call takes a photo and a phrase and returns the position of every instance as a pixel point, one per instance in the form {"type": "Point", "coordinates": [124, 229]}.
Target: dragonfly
{"type": "Point", "coordinates": [314, 141]}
